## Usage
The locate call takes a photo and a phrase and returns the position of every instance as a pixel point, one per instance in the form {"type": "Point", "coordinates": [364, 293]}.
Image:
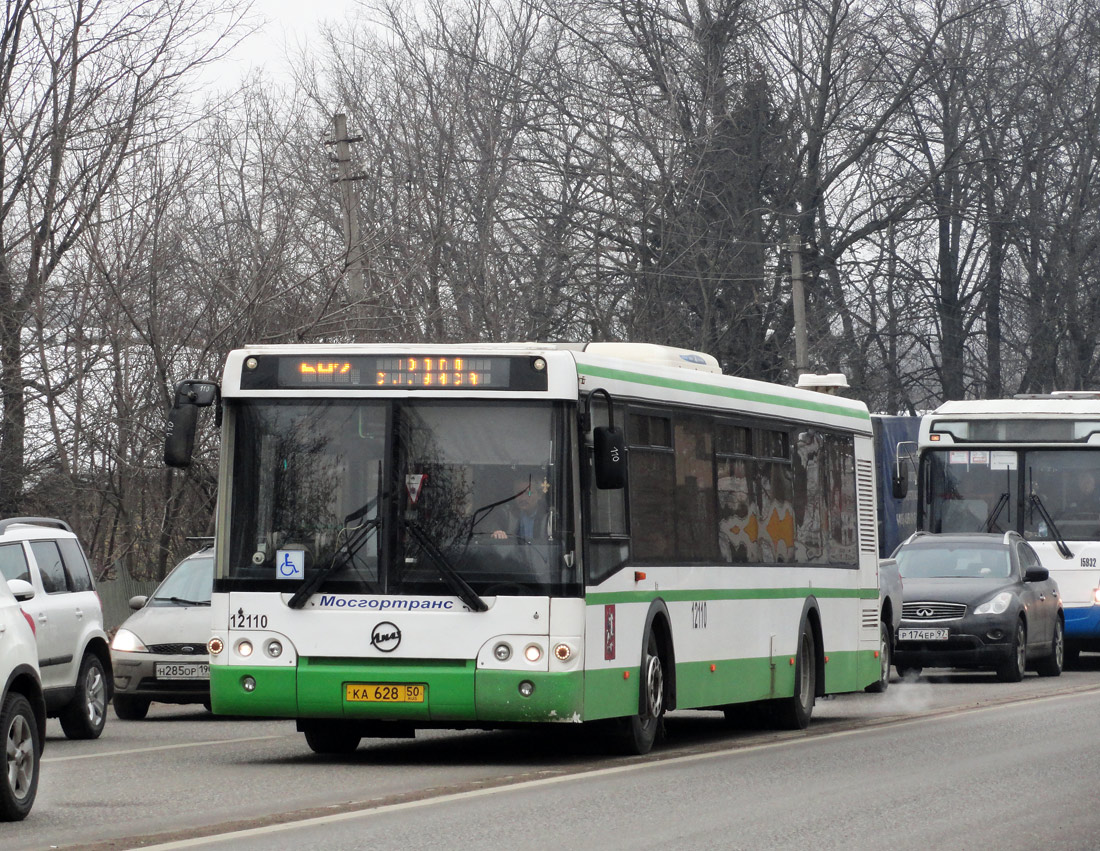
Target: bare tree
{"type": "Point", "coordinates": [86, 88]}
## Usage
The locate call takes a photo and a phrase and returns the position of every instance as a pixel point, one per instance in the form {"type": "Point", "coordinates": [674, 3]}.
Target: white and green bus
{"type": "Point", "coordinates": [480, 536]}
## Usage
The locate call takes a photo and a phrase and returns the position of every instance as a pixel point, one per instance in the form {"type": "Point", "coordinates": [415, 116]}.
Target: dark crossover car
{"type": "Point", "coordinates": [159, 652]}
{"type": "Point", "coordinates": [977, 601]}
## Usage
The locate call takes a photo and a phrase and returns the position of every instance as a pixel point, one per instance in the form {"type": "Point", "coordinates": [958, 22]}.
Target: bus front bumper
{"type": "Point", "coordinates": [1083, 626]}
{"type": "Point", "coordinates": [451, 692]}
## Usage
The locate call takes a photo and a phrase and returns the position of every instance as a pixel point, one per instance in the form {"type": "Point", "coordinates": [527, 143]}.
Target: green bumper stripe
{"type": "Point", "coordinates": [275, 695]}
{"type": "Point", "coordinates": [455, 692]}
{"type": "Point", "coordinates": [690, 595]}
{"type": "Point", "coordinates": [725, 392]}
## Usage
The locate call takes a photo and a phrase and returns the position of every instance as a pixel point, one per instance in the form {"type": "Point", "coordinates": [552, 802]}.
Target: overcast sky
{"type": "Point", "coordinates": [290, 23]}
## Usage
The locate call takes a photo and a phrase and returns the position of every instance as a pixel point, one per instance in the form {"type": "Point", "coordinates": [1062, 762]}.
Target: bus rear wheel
{"type": "Point", "coordinates": [637, 733]}
{"type": "Point", "coordinates": [884, 656]}
{"type": "Point", "coordinates": [331, 737]}
{"type": "Point", "coordinates": [793, 713]}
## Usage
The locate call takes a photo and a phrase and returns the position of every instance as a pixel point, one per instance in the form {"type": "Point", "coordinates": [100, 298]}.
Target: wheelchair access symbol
{"type": "Point", "coordinates": [290, 564]}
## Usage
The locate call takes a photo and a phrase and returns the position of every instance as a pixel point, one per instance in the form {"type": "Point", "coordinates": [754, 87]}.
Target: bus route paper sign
{"type": "Point", "coordinates": [290, 564]}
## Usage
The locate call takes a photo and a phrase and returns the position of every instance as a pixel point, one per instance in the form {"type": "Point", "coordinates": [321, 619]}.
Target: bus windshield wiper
{"type": "Point", "coordinates": [183, 601]}
{"type": "Point", "coordinates": [991, 520]}
{"type": "Point", "coordinates": [455, 582]}
{"type": "Point", "coordinates": [341, 558]}
{"type": "Point", "coordinates": [1059, 541]}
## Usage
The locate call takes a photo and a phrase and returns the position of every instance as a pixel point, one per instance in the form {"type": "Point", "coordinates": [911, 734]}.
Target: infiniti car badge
{"type": "Point", "coordinates": [925, 613]}
{"type": "Point", "coordinates": [385, 637]}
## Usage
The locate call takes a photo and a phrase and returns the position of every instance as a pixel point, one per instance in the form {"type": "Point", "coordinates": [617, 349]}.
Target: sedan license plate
{"type": "Point", "coordinates": [922, 634]}
{"type": "Point", "coordinates": [385, 692]}
{"type": "Point", "coordinates": [183, 670]}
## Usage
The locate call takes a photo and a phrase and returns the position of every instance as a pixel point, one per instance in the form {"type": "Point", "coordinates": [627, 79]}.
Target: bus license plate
{"type": "Point", "coordinates": [922, 635]}
{"type": "Point", "coordinates": [183, 671]}
{"type": "Point", "coordinates": [385, 692]}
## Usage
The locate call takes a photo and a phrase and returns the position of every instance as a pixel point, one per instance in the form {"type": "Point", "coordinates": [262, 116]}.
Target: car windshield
{"type": "Point", "coordinates": [188, 584]}
{"type": "Point", "coordinates": [403, 497]}
{"type": "Point", "coordinates": [947, 561]}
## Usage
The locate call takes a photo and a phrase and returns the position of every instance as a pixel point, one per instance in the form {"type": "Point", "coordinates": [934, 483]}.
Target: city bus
{"type": "Point", "coordinates": [693, 540]}
{"type": "Point", "coordinates": [1029, 464]}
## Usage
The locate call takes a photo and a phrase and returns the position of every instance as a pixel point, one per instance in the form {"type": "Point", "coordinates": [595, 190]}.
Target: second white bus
{"type": "Point", "coordinates": [1029, 464]}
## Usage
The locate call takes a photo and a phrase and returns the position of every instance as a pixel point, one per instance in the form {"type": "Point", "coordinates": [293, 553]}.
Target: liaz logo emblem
{"type": "Point", "coordinates": [385, 637]}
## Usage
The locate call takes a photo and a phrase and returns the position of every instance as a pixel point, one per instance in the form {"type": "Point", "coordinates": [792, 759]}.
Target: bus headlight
{"type": "Point", "coordinates": [244, 647]}
{"type": "Point", "coordinates": [274, 648]}
{"type": "Point", "coordinates": [502, 652]}
{"type": "Point", "coordinates": [563, 652]}
{"type": "Point", "coordinates": [1096, 595]}
{"type": "Point", "coordinates": [533, 653]}
{"type": "Point", "coordinates": [215, 646]}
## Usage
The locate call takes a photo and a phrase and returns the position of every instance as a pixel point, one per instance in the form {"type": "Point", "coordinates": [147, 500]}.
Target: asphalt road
{"type": "Point", "coordinates": [949, 760]}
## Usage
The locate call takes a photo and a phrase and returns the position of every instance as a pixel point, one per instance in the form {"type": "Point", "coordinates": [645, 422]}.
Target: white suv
{"type": "Point", "coordinates": [46, 570]}
{"type": "Point", "coordinates": [22, 710]}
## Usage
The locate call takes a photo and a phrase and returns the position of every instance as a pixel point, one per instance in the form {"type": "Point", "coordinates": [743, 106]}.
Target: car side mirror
{"type": "Point", "coordinates": [138, 601]}
{"type": "Point", "coordinates": [1036, 574]}
{"type": "Point", "coordinates": [22, 589]}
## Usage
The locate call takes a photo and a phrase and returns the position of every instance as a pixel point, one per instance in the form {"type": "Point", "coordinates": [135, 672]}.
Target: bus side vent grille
{"type": "Point", "coordinates": [865, 496]}
{"type": "Point", "coordinates": [870, 618]}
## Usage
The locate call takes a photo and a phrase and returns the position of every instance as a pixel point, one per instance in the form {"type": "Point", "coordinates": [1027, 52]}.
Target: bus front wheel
{"type": "Point", "coordinates": [331, 738]}
{"type": "Point", "coordinates": [637, 733]}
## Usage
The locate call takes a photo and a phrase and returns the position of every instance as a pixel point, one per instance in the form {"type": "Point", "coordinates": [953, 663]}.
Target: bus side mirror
{"type": "Point", "coordinates": [179, 429]}
{"type": "Point", "coordinates": [609, 457]}
{"type": "Point", "coordinates": [899, 481]}
{"type": "Point", "coordinates": [179, 435]}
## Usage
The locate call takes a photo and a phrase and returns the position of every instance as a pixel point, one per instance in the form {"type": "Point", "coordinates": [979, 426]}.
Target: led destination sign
{"type": "Point", "coordinates": [386, 372]}
{"type": "Point", "coordinates": [399, 372]}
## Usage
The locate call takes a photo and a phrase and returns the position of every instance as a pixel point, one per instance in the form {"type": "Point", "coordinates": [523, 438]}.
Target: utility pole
{"type": "Point", "coordinates": [798, 301]}
{"type": "Point", "coordinates": [353, 257]}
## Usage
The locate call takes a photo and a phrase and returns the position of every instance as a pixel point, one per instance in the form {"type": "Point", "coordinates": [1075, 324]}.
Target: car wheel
{"type": "Point", "coordinates": [884, 656]}
{"type": "Point", "coordinates": [637, 733]}
{"type": "Point", "coordinates": [1012, 669]}
{"type": "Point", "coordinates": [793, 713]}
{"type": "Point", "coordinates": [1051, 666]}
{"type": "Point", "coordinates": [130, 708]}
{"type": "Point", "coordinates": [86, 713]}
{"type": "Point", "coordinates": [330, 738]}
{"type": "Point", "coordinates": [22, 756]}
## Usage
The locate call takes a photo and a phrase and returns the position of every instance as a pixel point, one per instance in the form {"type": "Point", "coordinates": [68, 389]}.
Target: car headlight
{"type": "Point", "coordinates": [998, 605]}
{"type": "Point", "coordinates": [126, 642]}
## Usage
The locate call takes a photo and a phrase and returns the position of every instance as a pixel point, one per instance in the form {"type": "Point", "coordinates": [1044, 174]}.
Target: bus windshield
{"type": "Point", "coordinates": [1067, 481]}
{"type": "Point", "coordinates": [970, 490]}
{"type": "Point", "coordinates": [983, 490]}
{"type": "Point", "coordinates": [391, 497]}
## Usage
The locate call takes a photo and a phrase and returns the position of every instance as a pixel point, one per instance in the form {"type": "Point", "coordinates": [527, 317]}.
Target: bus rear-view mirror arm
{"type": "Point", "coordinates": [608, 446]}
{"type": "Point", "coordinates": [899, 481]}
{"type": "Point", "coordinates": [180, 426]}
